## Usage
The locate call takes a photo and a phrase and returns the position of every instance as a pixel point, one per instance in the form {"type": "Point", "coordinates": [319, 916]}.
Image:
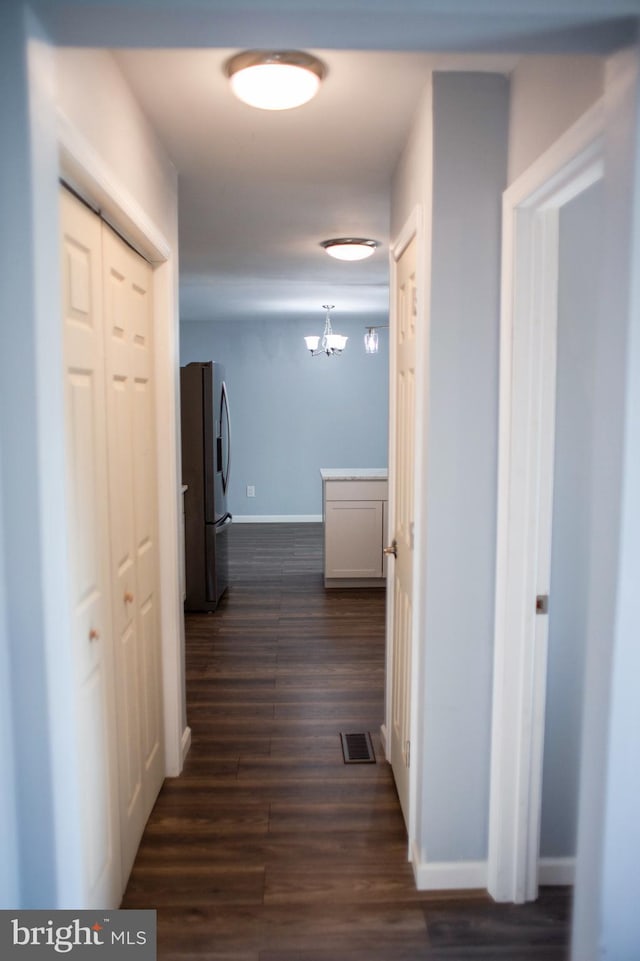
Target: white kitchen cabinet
{"type": "Point", "coordinates": [354, 512]}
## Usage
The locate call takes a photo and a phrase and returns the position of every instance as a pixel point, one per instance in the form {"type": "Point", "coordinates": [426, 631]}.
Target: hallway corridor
{"type": "Point", "coordinates": [269, 847]}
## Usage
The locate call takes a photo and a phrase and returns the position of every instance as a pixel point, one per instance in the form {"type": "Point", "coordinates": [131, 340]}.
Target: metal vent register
{"type": "Point", "coordinates": [357, 748]}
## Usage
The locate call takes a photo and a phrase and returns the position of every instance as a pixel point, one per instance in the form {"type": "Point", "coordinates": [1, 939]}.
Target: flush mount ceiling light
{"type": "Point", "coordinates": [330, 343]}
{"type": "Point", "coordinates": [349, 248]}
{"type": "Point", "coordinates": [275, 81]}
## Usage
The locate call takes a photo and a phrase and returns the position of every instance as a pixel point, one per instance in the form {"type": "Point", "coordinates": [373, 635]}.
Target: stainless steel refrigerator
{"type": "Point", "coordinates": [206, 461]}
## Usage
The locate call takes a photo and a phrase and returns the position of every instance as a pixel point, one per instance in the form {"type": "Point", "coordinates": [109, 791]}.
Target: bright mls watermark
{"type": "Point", "coordinates": [80, 935]}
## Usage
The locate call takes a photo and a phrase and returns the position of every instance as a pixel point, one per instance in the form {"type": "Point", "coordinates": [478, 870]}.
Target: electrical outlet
{"type": "Point", "coordinates": [251, 491]}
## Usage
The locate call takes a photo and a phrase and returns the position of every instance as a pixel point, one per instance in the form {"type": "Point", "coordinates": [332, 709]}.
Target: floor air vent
{"type": "Point", "coordinates": [357, 748]}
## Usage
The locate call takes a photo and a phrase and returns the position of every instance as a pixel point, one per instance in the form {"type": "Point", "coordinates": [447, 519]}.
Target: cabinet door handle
{"type": "Point", "coordinates": [392, 550]}
{"type": "Point", "coordinates": [128, 597]}
{"type": "Point", "coordinates": [93, 634]}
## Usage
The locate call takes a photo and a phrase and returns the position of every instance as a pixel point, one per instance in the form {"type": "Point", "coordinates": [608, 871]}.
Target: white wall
{"type": "Point", "coordinates": [291, 413]}
{"type": "Point", "coordinates": [92, 94]}
{"type": "Point", "coordinates": [548, 94]}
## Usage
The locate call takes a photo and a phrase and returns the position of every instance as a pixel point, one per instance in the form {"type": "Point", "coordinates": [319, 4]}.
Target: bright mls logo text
{"type": "Point", "coordinates": [65, 937]}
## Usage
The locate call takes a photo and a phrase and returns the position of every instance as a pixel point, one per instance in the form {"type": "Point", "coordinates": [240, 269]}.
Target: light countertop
{"type": "Point", "coordinates": [353, 473]}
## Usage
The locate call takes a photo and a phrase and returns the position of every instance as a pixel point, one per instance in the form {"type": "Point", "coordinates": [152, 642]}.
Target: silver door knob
{"type": "Point", "coordinates": [392, 550]}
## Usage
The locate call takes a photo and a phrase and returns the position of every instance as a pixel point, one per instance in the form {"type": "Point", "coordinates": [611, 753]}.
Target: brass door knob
{"type": "Point", "coordinates": [128, 597]}
{"type": "Point", "coordinates": [392, 550]}
{"type": "Point", "coordinates": [93, 634]}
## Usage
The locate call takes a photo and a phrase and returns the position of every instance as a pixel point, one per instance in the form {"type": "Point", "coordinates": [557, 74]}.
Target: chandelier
{"type": "Point", "coordinates": [330, 343]}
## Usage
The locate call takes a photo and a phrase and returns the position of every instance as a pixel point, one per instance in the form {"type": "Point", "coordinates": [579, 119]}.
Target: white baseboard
{"type": "Point", "coordinates": [449, 875]}
{"type": "Point", "coordinates": [473, 875]}
{"type": "Point", "coordinates": [560, 871]}
{"type": "Point", "coordinates": [186, 743]}
{"type": "Point", "coordinates": [277, 518]}
{"type": "Point", "coordinates": [383, 738]}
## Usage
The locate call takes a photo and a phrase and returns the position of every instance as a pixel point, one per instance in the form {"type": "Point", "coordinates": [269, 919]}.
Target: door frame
{"type": "Point", "coordinates": [528, 327]}
{"type": "Point", "coordinates": [413, 227]}
{"type": "Point", "coordinates": [86, 172]}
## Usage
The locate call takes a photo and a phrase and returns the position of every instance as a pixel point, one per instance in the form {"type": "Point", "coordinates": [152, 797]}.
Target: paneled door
{"type": "Point", "coordinates": [134, 555]}
{"type": "Point", "coordinates": [405, 307]}
{"type": "Point", "coordinates": [81, 273]}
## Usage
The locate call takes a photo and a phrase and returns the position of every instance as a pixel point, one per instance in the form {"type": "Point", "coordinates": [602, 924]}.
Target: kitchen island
{"type": "Point", "coordinates": [354, 511]}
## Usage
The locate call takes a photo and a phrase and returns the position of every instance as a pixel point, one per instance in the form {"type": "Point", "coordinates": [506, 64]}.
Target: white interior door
{"type": "Point", "coordinates": [132, 497]}
{"type": "Point", "coordinates": [404, 331]}
{"type": "Point", "coordinates": [81, 272]}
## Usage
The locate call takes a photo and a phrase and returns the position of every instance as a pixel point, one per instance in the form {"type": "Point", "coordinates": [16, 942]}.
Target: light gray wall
{"type": "Point", "coordinates": [292, 413]}
{"type": "Point", "coordinates": [580, 253]}
{"type": "Point", "coordinates": [455, 165]}
{"type": "Point", "coordinates": [548, 94]}
{"type": "Point", "coordinates": [9, 878]}
{"type": "Point", "coordinates": [606, 916]}
{"type": "Point", "coordinates": [40, 657]}
{"type": "Point", "coordinates": [28, 620]}
{"type": "Point", "coordinates": [469, 173]}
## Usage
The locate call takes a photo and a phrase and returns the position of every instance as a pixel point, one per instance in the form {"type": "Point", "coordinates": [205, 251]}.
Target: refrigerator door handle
{"type": "Point", "coordinates": [226, 468]}
{"type": "Point", "coordinates": [226, 520]}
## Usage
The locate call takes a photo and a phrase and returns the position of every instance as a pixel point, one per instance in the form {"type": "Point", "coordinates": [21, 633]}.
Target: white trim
{"type": "Point", "coordinates": [185, 743]}
{"type": "Point", "coordinates": [84, 168]}
{"type": "Point", "coordinates": [449, 875]}
{"type": "Point", "coordinates": [277, 518]}
{"type": "Point", "coordinates": [383, 739]}
{"type": "Point", "coordinates": [525, 488]}
{"type": "Point", "coordinates": [560, 871]}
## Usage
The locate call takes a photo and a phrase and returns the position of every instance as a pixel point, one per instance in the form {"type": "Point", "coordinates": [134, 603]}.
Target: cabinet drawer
{"type": "Point", "coordinates": [356, 490]}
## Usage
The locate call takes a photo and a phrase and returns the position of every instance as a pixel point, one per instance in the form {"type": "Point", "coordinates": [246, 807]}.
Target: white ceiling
{"type": "Point", "coordinates": [259, 190]}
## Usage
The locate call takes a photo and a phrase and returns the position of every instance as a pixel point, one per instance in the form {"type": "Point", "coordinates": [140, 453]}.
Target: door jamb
{"type": "Point", "coordinates": [531, 209]}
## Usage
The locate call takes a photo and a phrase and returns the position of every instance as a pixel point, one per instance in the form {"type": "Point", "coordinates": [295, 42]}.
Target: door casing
{"type": "Point", "coordinates": [528, 334]}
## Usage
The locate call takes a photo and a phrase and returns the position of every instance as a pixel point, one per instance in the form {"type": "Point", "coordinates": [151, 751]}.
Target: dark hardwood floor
{"type": "Point", "coordinates": [269, 847]}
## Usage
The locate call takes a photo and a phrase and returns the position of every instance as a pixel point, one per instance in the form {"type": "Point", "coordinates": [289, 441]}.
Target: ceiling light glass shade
{"type": "Point", "coordinates": [371, 341]}
{"type": "Point", "coordinates": [349, 248]}
{"type": "Point", "coordinates": [336, 342]}
{"type": "Point", "coordinates": [330, 343]}
{"type": "Point", "coordinates": [275, 81]}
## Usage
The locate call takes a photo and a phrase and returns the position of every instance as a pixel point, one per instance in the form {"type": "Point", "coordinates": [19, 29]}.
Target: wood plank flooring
{"type": "Point", "coordinates": [269, 847]}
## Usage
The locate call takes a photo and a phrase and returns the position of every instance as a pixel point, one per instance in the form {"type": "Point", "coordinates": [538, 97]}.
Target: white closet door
{"type": "Point", "coordinates": [81, 272]}
{"type": "Point", "coordinates": [132, 497]}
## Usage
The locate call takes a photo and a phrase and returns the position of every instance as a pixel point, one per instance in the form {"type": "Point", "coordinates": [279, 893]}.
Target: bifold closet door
{"type": "Point", "coordinates": [96, 746]}
{"type": "Point", "coordinates": [131, 446]}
